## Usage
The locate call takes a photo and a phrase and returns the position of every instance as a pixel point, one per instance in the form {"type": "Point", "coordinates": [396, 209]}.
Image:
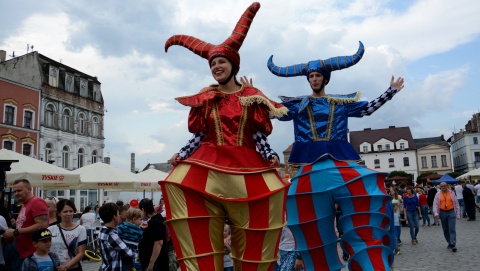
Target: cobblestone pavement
{"type": "Point", "coordinates": [430, 253]}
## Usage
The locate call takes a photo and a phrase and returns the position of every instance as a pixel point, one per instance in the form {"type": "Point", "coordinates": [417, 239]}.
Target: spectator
{"type": "Point", "coordinates": [469, 200]}
{"type": "Point", "coordinates": [432, 191]}
{"type": "Point", "coordinates": [87, 220]}
{"type": "Point", "coordinates": [476, 191]}
{"type": "Point", "coordinates": [131, 233]}
{"type": "Point", "coordinates": [3, 228]}
{"type": "Point", "coordinates": [153, 246]}
{"type": "Point", "coordinates": [52, 211]}
{"type": "Point", "coordinates": [42, 259]}
{"type": "Point", "coordinates": [227, 247]}
{"type": "Point", "coordinates": [397, 228]}
{"type": "Point", "coordinates": [422, 199]}
{"type": "Point", "coordinates": [32, 216]}
{"type": "Point", "coordinates": [160, 208]}
{"type": "Point", "coordinates": [69, 239]}
{"type": "Point", "coordinates": [411, 210]}
{"type": "Point", "coordinates": [122, 209]}
{"type": "Point", "coordinates": [113, 250]}
{"type": "Point", "coordinates": [446, 208]}
{"type": "Point", "coordinates": [289, 259]}
{"type": "Point", "coordinates": [4, 212]}
{"type": "Point", "coordinates": [459, 193]}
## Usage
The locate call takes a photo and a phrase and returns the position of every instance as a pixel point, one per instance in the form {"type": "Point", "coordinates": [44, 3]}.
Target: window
{"type": "Point", "coordinates": [67, 120]}
{"type": "Point", "coordinates": [80, 158]}
{"type": "Point", "coordinates": [81, 123]}
{"type": "Point", "coordinates": [475, 140]}
{"type": "Point", "coordinates": [83, 88]}
{"type": "Point", "coordinates": [95, 127]}
{"type": "Point", "coordinates": [387, 147]}
{"type": "Point", "coordinates": [28, 119]}
{"type": "Point", "coordinates": [48, 156]}
{"type": "Point", "coordinates": [65, 157]}
{"type": "Point", "coordinates": [477, 156]}
{"type": "Point", "coordinates": [444, 160]}
{"type": "Point", "coordinates": [406, 162]}
{"type": "Point", "coordinates": [53, 77]}
{"type": "Point", "coordinates": [402, 146]}
{"type": "Point", "coordinates": [96, 93]}
{"type": "Point", "coordinates": [50, 116]}
{"type": "Point", "coordinates": [27, 149]}
{"type": "Point", "coordinates": [8, 145]}
{"type": "Point", "coordinates": [377, 163]}
{"type": "Point", "coordinates": [94, 157]}
{"type": "Point", "coordinates": [391, 162]}
{"type": "Point", "coordinates": [424, 161]}
{"type": "Point", "coordinates": [434, 161]}
{"type": "Point", "coordinates": [69, 79]}
{"type": "Point", "coordinates": [379, 147]}
{"type": "Point", "coordinates": [9, 115]}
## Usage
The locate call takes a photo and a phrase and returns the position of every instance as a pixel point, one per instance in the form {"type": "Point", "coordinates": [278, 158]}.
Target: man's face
{"type": "Point", "coordinates": [443, 187]}
{"type": "Point", "coordinates": [22, 192]}
{"type": "Point", "coordinates": [316, 81]}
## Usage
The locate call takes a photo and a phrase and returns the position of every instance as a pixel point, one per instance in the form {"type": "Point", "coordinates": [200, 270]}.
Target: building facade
{"type": "Point", "coordinates": [70, 115]}
{"type": "Point", "coordinates": [433, 155]}
{"type": "Point", "coordinates": [465, 148]}
{"type": "Point", "coordinates": [387, 150]}
{"type": "Point", "coordinates": [19, 110]}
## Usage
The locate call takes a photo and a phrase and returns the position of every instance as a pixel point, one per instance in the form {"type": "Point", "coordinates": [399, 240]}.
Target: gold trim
{"type": "Point", "coordinates": [273, 111]}
{"type": "Point", "coordinates": [341, 100]}
{"type": "Point", "coordinates": [218, 124]}
{"type": "Point", "coordinates": [330, 121]}
{"type": "Point", "coordinates": [313, 127]}
{"type": "Point", "coordinates": [243, 170]}
{"type": "Point", "coordinates": [241, 124]}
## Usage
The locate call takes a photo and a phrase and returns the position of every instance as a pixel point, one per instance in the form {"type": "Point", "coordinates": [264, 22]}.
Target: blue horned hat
{"type": "Point", "coordinates": [325, 67]}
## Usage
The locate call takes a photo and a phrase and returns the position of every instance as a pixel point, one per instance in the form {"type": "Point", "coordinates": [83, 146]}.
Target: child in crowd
{"type": "Point", "coordinates": [42, 259]}
{"type": "Point", "coordinates": [227, 242]}
{"type": "Point", "coordinates": [131, 233]}
{"type": "Point", "coordinates": [398, 228]}
{"type": "Point", "coordinates": [113, 250]}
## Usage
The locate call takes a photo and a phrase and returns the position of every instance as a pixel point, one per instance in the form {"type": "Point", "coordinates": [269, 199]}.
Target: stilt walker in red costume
{"type": "Point", "coordinates": [226, 178]}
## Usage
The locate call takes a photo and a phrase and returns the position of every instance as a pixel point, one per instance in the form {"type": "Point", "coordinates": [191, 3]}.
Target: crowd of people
{"type": "Point", "coordinates": [47, 236]}
{"type": "Point", "coordinates": [446, 203]}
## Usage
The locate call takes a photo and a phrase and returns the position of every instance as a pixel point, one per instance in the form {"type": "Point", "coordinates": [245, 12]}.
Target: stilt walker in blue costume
{"type": "Point", "coordinates": [330, 173]}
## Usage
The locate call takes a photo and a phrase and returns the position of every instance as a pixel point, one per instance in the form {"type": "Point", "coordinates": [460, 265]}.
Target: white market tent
{"type": "Point", "coordinates": [104, 176]}
{"type": "Point", "coordinates": [151, 176]}
{"type": "Point", "coordinates": [38, 173]}
{"type": "Point", "coordinates": [471, 174]}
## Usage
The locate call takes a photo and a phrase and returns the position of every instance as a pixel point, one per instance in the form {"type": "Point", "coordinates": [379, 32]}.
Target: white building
{"type": "Point", "coordinates": [387, 150]}
{"type": "Point", "coordinates": [465, 151]}
{"type": "Point", "coordinates": [433, 155]}
{"type": "Point", "coordinates": [71, 116]}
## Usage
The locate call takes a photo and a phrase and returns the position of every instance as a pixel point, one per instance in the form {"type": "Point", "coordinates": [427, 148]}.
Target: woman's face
{"type": "Point", "coordinates": [52, 207]}
{"type": "Point", "coordinates": [66, 213]}
{"type": "Point", "coordinates": [220, 68]}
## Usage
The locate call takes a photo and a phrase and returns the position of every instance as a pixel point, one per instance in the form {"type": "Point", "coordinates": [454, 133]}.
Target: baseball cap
{"type": "Point", "coordinates": [41, 234]}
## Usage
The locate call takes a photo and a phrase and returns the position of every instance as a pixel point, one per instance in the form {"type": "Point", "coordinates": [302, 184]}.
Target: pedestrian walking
{"type": "Point", "coordinates": [411, 210]}
{"type": "Point", "coordinates": [447, 209]}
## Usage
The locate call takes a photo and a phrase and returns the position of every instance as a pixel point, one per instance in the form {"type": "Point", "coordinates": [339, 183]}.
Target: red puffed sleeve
{"type": "Point", "coordinates": [196, 120]}
{"type": "Point", "coordinates": [261, 119]}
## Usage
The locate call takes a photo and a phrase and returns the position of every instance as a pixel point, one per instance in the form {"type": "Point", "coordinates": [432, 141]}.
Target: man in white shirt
{"type": "Point", "coordinates": [477, 192]}
{"type": "Point", "coordinates": [459, 193]}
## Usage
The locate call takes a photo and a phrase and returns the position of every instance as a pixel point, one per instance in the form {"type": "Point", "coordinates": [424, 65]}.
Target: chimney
{"type": "Point", "coordinates": [367, 129]}
{"type": "Point", "coordinates": [391, 127]}
{"type": "Point", "coordinates": [106, 160]}
{"type": "Point", "coordinates": [3, 56]}
{"type": "Point", "coordinates": [132, 162]}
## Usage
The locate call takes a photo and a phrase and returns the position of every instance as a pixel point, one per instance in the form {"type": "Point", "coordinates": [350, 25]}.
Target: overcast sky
{"type": "Point", "coordinates": [432, 43]}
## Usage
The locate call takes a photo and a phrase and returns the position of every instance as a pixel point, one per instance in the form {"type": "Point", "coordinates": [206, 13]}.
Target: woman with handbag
{"type": "Point", "coordinates": [69, 239]}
